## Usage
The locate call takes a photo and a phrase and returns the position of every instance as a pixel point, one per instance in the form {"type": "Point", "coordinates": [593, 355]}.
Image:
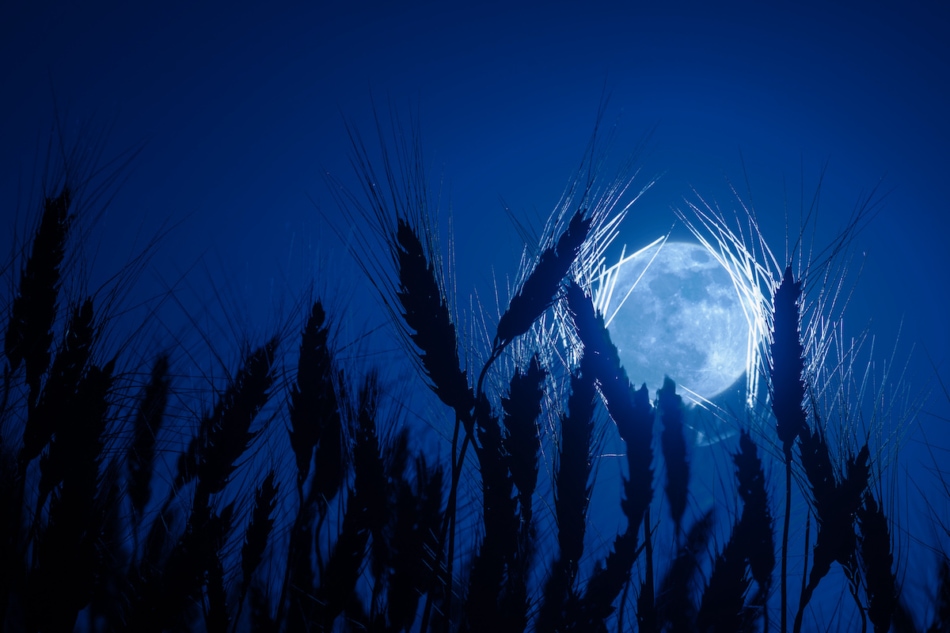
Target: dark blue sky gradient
{"type": "Point", "coordinates": [241, 110]}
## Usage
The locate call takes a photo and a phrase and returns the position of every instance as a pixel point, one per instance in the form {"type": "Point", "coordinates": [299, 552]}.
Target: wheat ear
{"type": "Point", "coordinates": [415, 529]}
{"type": "Point", "coordinates": [64, 376]}
{"type": "Point", "coordinates": [673, 445]}
{"type": "Point", "coordinates": [522, 445]}
{"type": "Point", "coordinates": [258, 531]}
{"type": "Point", "coordinates": [539, 290]}
{"type": "Point", "coordinates": [58, 402]}
{"type": "Point", "coordinates": [571, 497]}
{"type": "Point", "coordinates": [426, 313]}
{"type": "Point", "coordinates": [501, 520]}
{"type": "Point", "coordinates": [877, 563]}
{"type": "Point", "coordinates": [756, 522]}
{"type": "Point", "coordinates": [675, 607]}
{"type": "Point", "coordinates": [145, 427]}
{"type": "Point", "coordinates": [747, 556]}
{"type": "Point", "coordinates": [835, 504]}
{"type": "Point", "coordinates": [722, 606]}
{"type": "Point", "coordinates": [29, 332]}
{"type": "Point", "coordinates": [365, 514]}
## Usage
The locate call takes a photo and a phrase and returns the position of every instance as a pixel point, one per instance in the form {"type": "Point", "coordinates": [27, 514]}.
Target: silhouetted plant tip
{"type": "Point", "coordinates": [226, 433]}
{"type": "Point", "coordinates": [756, 529]}
{"type": "Point", "coordinates": [571, 499]}
{"type": "Point", "coordinates": [675, 607]}
{"type": "Point", "coordinates": [417, 514]}
{"type": "Point", "coordinates": [52, 409]}
{"type": "Point", "coordinates": [787, 362]}
{"type": "Point", "coordinates": [73, 454]}
{"type": "Point", "coordinates": [426, 313]}
{"type": "Point", "coordinates": [877, 563]}
{"type": "Point", "coordinates": [538, 292]}
{"type": "Point", "coordinates": [722, 608]}
{"type": "Point", "coordinates": [523, 442]}
{"type": "Point", "coordinates": [501, 520]}
{"type": "Point", "coordinates": [312, 397]}
{"type": "Point", "coordinates": [836, 503]}
{"type": "Point", "coordinates": [148, 422]}
{"type": "Point", "coordinates": [29, 331]}
{"type": "Point", "coordinates": [258, 531]}
{"type": "Point", "coordinates": [748, 555]}
{"type": "Point", "coordinates": [364, 515]}
{"type": "Point", "coordinates": [673, 443]}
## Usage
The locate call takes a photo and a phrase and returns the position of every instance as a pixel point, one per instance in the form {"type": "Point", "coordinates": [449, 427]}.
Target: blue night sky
{"type": "Point", "coordinates": [240, 110]}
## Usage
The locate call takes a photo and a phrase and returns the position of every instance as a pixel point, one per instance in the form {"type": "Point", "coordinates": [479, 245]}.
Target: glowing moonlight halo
{"type": "Point", "coordinates": [672, 309]}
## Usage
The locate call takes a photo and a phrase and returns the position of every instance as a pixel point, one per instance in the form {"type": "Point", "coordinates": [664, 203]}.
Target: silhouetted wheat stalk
{"type": "Point", "coordinates": [787, 367]}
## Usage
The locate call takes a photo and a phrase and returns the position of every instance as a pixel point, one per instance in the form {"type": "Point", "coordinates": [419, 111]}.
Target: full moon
{"type": "Point", "coordinates": [673, 310]}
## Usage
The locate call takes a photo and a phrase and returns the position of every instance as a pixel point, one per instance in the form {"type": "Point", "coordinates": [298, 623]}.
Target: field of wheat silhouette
{"type": "Point", "coordinates": [509, 475]}
{"type": "Point", "coordinates": [439, 317]}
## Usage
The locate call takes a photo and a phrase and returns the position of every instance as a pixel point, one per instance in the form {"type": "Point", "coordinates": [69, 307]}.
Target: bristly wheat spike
{"type": "Point", "coordinates": [522, 443]}
{"type": "Point", "coordinates": [417, 518]}
{"type": "Point", "coordinates": [787, 363]}
{"type": "Point", "coordinates": [29, 333]}
{"type": "Point", "coordinates": [501, 521]}
{"type": "Point", "coordinates": [540, 288]}
{"type": "Point", "coordinates": [426, 313]}
{"type": "Point", "coordinates": [673, 444]}
{"type": "Point", "coordinates": [60, 410]}
{"type": "Point", "coordinates": [750, 548]}
{"type": "Point", "coordinates": [571, 497]}
{"type": "Point", "coordinates": [633, 414]}
{"type": "Point", "coordinates": [258, 530]}
{"type": "Point", "coordinates": [72, 357]}
{"type": "Point", "coordinates": [756, 522]}
{"type": "Point", "coordinates": [312, 387]}
{"type": "Point", "coordinates": [148, 421]}
{"type": "Point", "coordinates": [364, 515]}
{"type": "Point", "coordinates": [835, 505]}
{"type": "Point", "coordinates": [721, 609]}
{"type": "Point", "coordinates": [226, 434]}
{"type": "Point", "coordinates": [877, 563]}
{"type": "Point", "coordinates": [316, 426]}
{"type": "Point", "coordinates": [675, 605]}
{"type": "Point", "coordinates": [572, 479]}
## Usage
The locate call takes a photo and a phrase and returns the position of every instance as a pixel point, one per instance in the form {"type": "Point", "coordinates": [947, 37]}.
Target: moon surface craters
{"type": "Point", "coordinates": [683, 318]}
